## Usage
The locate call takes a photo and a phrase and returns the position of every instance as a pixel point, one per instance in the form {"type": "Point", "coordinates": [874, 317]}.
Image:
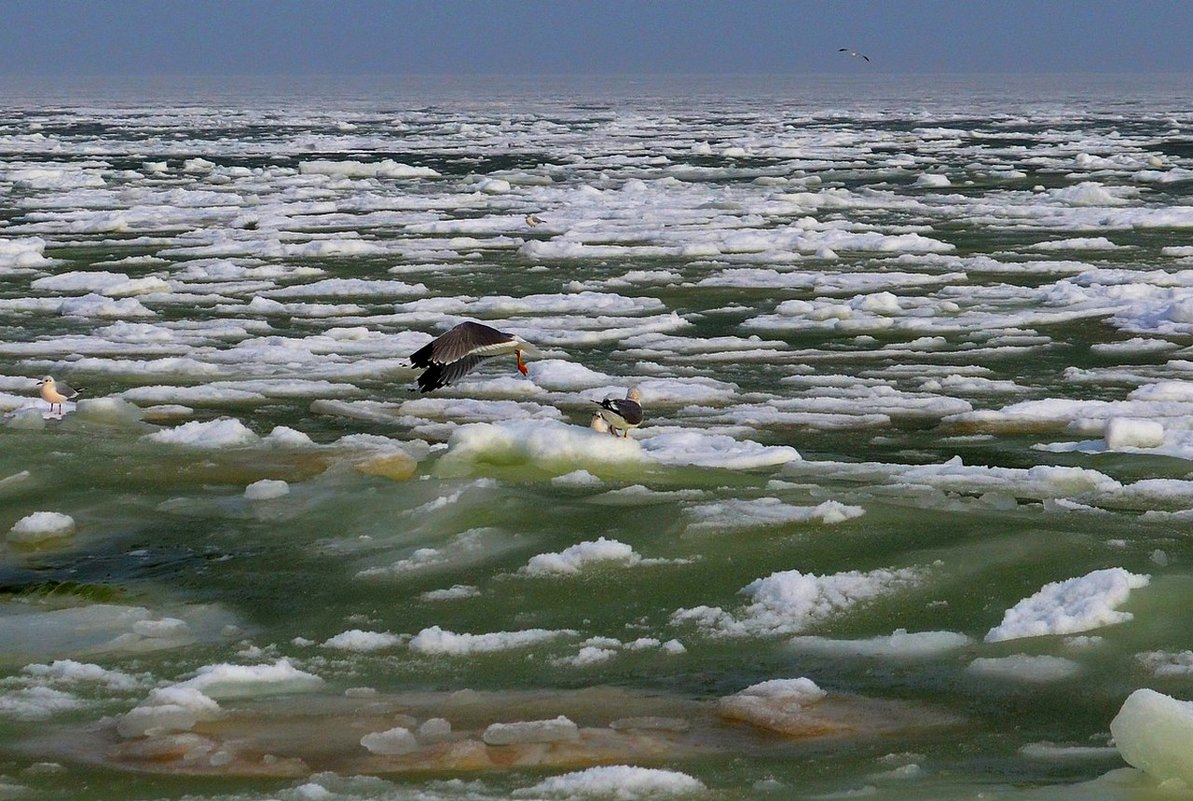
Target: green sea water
{"type": "Point", "coordinates": [169, 529]}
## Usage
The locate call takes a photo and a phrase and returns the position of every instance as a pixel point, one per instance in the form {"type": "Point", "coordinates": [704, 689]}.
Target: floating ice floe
{"type": "Point", "coordinates": [900, 644]}
{"type": "Point", "coordinates": [1067, 607]}
{"type": "Point", "coordinates": [362, 641]}
{"type": "Point", "coordinates": [622, 782]}
{"type": "Point", "coordinates": [227, 681]}
{"type": "Point", "coordinates": [761, 512]}
{"type": "Point", "coordinates": [1154, 733]}
{"type": "Point", "coordinates": [435, 640]}
{"type": "Point", "coordinates": [789, 602]}
{"type": "Point", "coordinates": [41, 527]}
{"type": "Point", "coordinates": [1023, 667]}
{"type": "Point", "coordinates": [575, 558]}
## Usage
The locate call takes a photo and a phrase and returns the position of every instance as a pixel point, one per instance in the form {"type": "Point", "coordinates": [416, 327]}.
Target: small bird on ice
{"type": "Point", "coordinates": [54, 393]}
{"type": "Point", "coordinates": [853, 53]}
{"type": "Point", "coordinates": [461, 350]}
{"type": "Point", "coordinates": [533, 219]}
{"type": "Point", "coordinates": [622, 415]}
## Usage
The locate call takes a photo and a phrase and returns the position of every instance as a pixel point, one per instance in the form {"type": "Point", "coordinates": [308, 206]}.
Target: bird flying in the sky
{"type": "Point", "coordinates": [853, 53]}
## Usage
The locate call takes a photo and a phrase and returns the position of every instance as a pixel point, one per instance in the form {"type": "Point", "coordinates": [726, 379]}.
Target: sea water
{"type": "Point", "coordinates": [908, 515]}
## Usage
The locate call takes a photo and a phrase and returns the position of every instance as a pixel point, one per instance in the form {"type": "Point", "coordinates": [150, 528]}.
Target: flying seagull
{"type": "Point", "coordinates": [853, 53]}
{"type": "Point", "coordinates": [55, 393]}
{"type": "Point", "coordinates": [622, 415]}
{"type": "Point", "coordinates": [461, 350]}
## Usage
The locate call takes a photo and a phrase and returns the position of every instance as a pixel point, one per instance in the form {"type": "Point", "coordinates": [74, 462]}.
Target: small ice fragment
{"type": "Point", "coordinates": [392, 742]}
{"type": "Point", "coordinates": [266, 489]}
{"type": "Point", "coordinates": [41, 526]}
{"type": "Point", "coordinates": [532, 731]}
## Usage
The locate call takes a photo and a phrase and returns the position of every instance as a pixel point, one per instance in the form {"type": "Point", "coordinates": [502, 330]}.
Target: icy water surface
{"type": "Point", "coordinates": [908, 516]}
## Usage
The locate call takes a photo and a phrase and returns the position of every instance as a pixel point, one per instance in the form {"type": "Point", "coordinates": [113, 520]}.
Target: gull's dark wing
{"type": "Point", "coordinates": [628, 410]}
{"type": "Point", "coordinates": [467, 337]}
{"type": "Point", "coordinates": [440, 375]}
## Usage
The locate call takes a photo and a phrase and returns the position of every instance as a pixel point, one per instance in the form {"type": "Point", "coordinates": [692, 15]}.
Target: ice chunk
{"type": "Point", "coordinates": [168, 709]}
{"type": "Point", "coordinates": [620, 782]}
{"type": "Point", "coordinates": [558, 730]}
{"type": "Point", "coordinates": [357, 640]}
{"type": "Point", "coordinates": [435, 640]}
{"type": "Point", "coordinates": [1122, 432]}
{"type": "Point", "coordinates": [244, 681]}
{"type": "Point", "coordinates": [112, 411]}
{"type": "Point", "coordinates": [226, 432]}
{"type": "Point", "coordinates": [1023, 667]}
{"type": "Point", "coordinates": [1154, 732]}
{"type": "Point", "coordinates": [572, 560]}
{"type": "Point", "coordinates": [1072, 606]}
{"type": "Point", "coordinates": [392, 742]}
{"type": "Point", "coordinates": [266, 489]}
{"type": "Point", "coordinates": [39, 527]}
{"type": "Point", "coordinates": [900, 644]}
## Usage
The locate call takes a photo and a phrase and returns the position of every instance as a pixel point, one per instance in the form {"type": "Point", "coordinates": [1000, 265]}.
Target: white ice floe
{"type": "Point", "coordinates": [802, 690]}
{"type": "Point", "coordinates": [557, 730]}
{"type": "Point", "coordinates": [224, 681]}
{"type": "Point", "coordinates": [545, 444]}
{"type": "Point", "coordinates": [1074, 605]}
{"type": "Point", "coordinates": [41, 527]}
{"type": "Point", "coordinates": [226, 432]}
{"type": "Point", "coordinates": [348, 168]}
{"type": "Point", "coordinates": [436, 640]}
{"type": "Point", "coordinates": [1154, 732]}
{"type": "Point", "coordinates": [1022, 667]}
{"type": "Point", "coordinates": [362, 641]}
{"type": "Point", "coordinates": [621, 782]}
{"type": "Point", "coordinates": [391, 742]}
{"type": "Point", "coordinates": [167, 710]}
{"type": "Point", "coordinates": [703, 449]}
{"type": "Point", "coordinates": [266, 489]}
{"type": "Point", "coordinates": [900, 644]}
{"type": "Point", "coordinates": [789, 602]}
{"type": "Point", "coordinates": [759, 512]}
{"type": "Point", "coordinates": [452, 593]}
{"type": "Point", "coordinates": [582, 555]}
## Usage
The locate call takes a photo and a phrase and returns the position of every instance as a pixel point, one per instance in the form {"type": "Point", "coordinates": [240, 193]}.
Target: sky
{"type": "Point", "coordinates": [467, 37]}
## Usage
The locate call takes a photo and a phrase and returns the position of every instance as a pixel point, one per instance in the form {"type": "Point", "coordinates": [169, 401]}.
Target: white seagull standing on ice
{"type": "Point", "coordinates": [54, 393]}
{"type": "Point", "coordinates": [461, 350]}
{"type": "Point", "coordinates": [853, 53]}
{"type": "Point", "coordinates": [622, 415]}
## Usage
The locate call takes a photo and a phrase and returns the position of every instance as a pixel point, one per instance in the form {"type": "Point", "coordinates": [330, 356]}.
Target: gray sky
{"type": "Point", "coordinates": [398, 37]}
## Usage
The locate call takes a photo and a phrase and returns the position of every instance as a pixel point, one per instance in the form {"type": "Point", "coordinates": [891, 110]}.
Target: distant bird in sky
{"type": "Point", "coordinates": [853, 53]}
{"type": "Point", "coordinates": [463, 348]}
{"type": "Point", "coordinates": [622, 415]}
{"type": "Point", "coordinates": [55, 392]}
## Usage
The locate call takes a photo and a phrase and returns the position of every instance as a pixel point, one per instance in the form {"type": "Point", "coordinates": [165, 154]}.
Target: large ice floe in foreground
{"type": "Point", "coordinates": [561, 448]}
{"type": "Point", "coordinates": [1154, 732]}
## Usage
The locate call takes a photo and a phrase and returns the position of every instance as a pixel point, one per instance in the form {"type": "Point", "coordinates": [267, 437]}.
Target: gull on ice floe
{"type": "Point", "coordinates": [853, 53]}
{"type": "Point", "coordinates": [622, 414]}
{"type": "Point", "coordinates": [533, 219]}
{"type": "Point", "coordinates": [55, 392]}
{"type": "Point", "coordinates": [463, 348]}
